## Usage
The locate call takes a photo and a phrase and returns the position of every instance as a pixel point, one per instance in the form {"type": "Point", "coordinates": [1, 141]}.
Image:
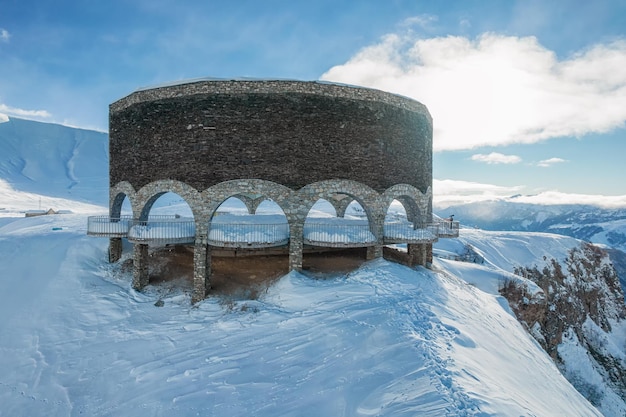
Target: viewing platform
{"type": "Point", "coordinates": [247, 233]}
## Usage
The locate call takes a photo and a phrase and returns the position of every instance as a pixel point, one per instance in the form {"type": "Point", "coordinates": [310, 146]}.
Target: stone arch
{"type": "Point", "coordinates": [117, 194]}
{"type": "Point", "coordinates": [341, 203]}
{"type": "Point", "coordinates": [149, 193]}
{"type": "Point", "coordinates": [366, 196]}
{"type": "Point", "coordinates": [250, 189]}
{"type": "Point", "coordinates": [251, 203]}
{"type": "Point", "coordinates": [416, 203]}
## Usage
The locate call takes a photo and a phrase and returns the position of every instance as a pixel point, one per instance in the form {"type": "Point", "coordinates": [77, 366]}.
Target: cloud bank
{"type": "Point", "coordinates": [447, 193]}
{"type": "Point", "coordinates": [497, 90]}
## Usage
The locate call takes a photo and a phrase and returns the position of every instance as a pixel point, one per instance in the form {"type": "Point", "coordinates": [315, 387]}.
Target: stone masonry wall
{"type": "Point", "coordinates": [288, 132]}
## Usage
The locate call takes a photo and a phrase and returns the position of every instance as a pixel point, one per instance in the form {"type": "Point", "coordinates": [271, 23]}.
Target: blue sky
{"type": "Point", "coordinates": [527, 97]}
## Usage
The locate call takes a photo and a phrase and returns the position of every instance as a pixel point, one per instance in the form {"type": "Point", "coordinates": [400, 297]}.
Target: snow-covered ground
{"type": "Point", "coordinates": [383, 340]}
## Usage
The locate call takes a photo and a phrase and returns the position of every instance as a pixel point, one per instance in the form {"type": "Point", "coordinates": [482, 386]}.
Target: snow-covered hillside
{"type": "Point", "coordinates": [602, 226]}
{"type": "Point", "coordinates": [54, 161]}
{"type": "Point", "coordinates": [383, 340]}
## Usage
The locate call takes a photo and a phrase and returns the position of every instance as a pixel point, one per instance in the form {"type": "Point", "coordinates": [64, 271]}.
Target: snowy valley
{"type": "Point", "coordinates": [505, 323]}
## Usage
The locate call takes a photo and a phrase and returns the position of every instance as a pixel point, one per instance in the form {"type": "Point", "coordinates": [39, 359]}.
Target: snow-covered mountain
{"type": "Point", "coordinates": [585, 222]}
{"type": "Point", "coordinates": [383, 340]}
{"type": "Point", "coordinates": [599, 225]}
{"type": "Point", "coordinates": [54, 161]}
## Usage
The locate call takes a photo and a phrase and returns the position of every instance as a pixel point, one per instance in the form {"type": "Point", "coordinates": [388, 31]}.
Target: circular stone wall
{"type": "Point", "coordinates": [292, 133]}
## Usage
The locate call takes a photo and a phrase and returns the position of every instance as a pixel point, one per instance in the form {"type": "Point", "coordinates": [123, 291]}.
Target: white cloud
{"type": "Point", "coordinates": [422, 21]}
{"type": "Point", "coordinates": [549, 162]}
{"type": "Point", "coordinates": [451, 192]}
{"type": "Point", "coordinates": [496, 158]}
{"type": "Point", "coordinates": [497, 90]}
{"type": "Point", "coordinates": [556, 197]}
{"type": "Point", "coordinates": [4, 35]}
{"type": "Point", "coordinates": [27, 114]}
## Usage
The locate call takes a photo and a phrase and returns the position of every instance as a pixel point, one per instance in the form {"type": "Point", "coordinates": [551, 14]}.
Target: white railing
{"type": "Point", "coordinates": [318, 232]}
{"type": "Point", "coordinates": [163, 229]}
{"type": "Point", "coordinates": [447, 228]}
{"type": "Point", "coordinates": [242, 235]}
{"type": "Point", "coordinates": [338, 234]}
{"type": "Point", "coordinates": [109, 226]}
{"type": "Point", "coordinates": [403, 232]}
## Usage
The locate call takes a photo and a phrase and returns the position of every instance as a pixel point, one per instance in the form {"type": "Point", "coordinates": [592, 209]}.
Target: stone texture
{"type": "Point", "coordinates": [140, 266]}
{"type": "Point", "coordinates": [288, 132]}
{"type": "Point", "coordinates": [115, 249]}
{"type": "Point", "coordinates": [202, 269]}
{"type": "Point", "coordinates": [291, 142]}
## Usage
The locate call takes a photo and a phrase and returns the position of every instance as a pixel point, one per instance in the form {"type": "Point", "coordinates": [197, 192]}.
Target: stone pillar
{"type": "Point", "coordinates": [415, 254]}
{"type": "Point", "coordinates": [377, 222]}
{"type": "Point", "coordinates": [251, 203]}
{"type": "Point", "coordinates": [341, 205]}
{"type": "Point", "coordinates": [428, 254]}
{"type": "Point", "coordinates": [295, 247]}
{"type": "Point", "coordinates": [374, 252]}
{"type": "Point", "coordinates": [115, 249]}
{"type": "Point", "coordinates": [420, 254]}
{"type": "Point", "coordinates": [140, 266]}
{"type": "Point", "coordinates": [201, 270]}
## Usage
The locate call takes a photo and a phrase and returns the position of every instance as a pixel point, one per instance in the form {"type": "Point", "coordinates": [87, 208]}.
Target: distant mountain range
{"type": "Point", "coordinates": [586, 222]}
{"type": "Point", "coordinates": [593, 224]}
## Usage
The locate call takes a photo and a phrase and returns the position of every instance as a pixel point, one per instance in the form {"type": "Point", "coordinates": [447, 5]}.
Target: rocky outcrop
{"type": "Point", "coordinates": [582, 302]}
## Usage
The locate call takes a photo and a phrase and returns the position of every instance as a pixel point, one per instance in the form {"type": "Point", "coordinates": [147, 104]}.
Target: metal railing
{"type": "Point", "coordinates": [163, 229]}
{"type": "Point", "coordinates": [447, 228]}
{"type": "Point", "coordinates": [338, 234]}
{"type": "Point", "coordinates": [248, 235]}
{"type": "Point", "coordinates": [176, 229]}
{"type": "Point", "coordinates": [403, 232]}
{"type": "Point", "coordinates": [109, 226]}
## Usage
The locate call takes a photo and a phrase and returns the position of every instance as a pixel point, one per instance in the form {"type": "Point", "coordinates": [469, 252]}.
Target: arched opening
{"type": "Point", "coordinates": [167, 203]}
{"type": "Point", "coordinates": [248, 238]}
{"type": "Point", "coordinates": [324, 209]}
{"type": "Point", "coordinates": [336, 235]}
{"type": "Point", "coordinates": [396, 212]}
{"type": "Point", "coordinates": [164, 234]}
{"type": "Point", "coordinates": [231, 226]}
{"type": "Point", "coordinates": [407, 235]}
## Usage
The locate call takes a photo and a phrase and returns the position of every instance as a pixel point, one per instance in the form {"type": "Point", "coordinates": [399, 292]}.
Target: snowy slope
{"type": "Point", "coordinates": [384, 340]}
{"type": "Point", "coordinates": [579, 316]}
{"type": "Point", "coordinates": [54, 160]}
{"type": "Point", "coordinates": [75, 339]}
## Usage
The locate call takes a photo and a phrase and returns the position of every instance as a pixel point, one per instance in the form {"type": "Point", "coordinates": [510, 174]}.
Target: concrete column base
{"type": "Point", "coordinates": [140, 266]}
{"type": "Point", "coordinates": [201, 271]}
{"type": "Point", "coordinates": [115, 249]}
